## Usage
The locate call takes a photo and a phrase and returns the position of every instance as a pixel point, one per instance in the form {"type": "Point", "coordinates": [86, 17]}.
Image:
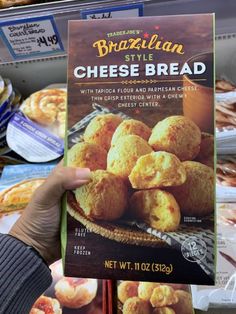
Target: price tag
{"type": "Point", "coordinates": [31, 37]}
{"type": "Point", "coordinates": [122, 11]}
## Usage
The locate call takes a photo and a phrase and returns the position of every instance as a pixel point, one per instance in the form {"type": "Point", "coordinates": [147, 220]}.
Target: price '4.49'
{"type": "Point", "coordinates": [47, 40]}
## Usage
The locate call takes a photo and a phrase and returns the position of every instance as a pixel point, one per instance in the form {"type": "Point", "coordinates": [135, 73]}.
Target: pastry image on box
{"type": "Point", "coordinates": [76, 293]}
{"type": "Point", "coordinates": [124, 153]}
{"type": "Point", "coordinates": [101, 129]}
{"type": "Point", "coordinates": [151, 194]}
{"type": "Point", "coordinates": [172, 135]}
{"type": "Point", "coordinates": [71, 295]}
{"type": "Point", "coordinates": [87, 155]}
{"type": "Point", "coordinates": [157, 208]}
{"type": "Point", "coordinates": [18, 196]}
{"type": "Point", "coordinates": [47, 107]}
{"type": "Point", "coordinates": [157, 169]}
{"type": "Point", "coordinates": [36, 131]}
{"type": "Point", "coordinates": [46, 305]}
{"type": "Point", "coordinates": [110, 201]}
{"type": "Point", "coordinates": [131, 127]}
{"type": "Point", "coordinates": [153, 297]}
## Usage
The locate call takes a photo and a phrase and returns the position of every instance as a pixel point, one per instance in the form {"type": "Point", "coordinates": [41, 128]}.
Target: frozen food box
{"type": "Point", "coordinates": [36, 132]}
{"type": "Point", "coordinates": [68, 295]}
{"type": "Point", "coordinates": [133, 297]}
{"type": "Point", "coordinates": [141, 117]}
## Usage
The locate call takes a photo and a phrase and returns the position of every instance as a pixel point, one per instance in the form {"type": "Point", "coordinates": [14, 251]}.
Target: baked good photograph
{"type": "Point", "coordinates": [46, 305]}
{"type": "Point", "coordinates": [76, 292]}
{"type": "Point", "coordinates": [145, 181]}
{"type": "Point", "coordinates": [154, 298]}
{"type": "Point", "coordinates": [47, 108]}
{"type": "Point", "coordinates": [155, 190]}
{"type": "Point", "coordinates": [17, 197]}
{"type": "Point", "coordinates": [142, 173]}
{"type": "Point", "coordinates": [68, 295]}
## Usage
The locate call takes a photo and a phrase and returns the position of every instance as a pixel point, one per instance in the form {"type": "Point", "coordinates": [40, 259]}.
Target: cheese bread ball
{"type": "Point", "coordinates": [206, 153]}
{"type": "Point", "coordinates": [45, 305]}
{"type": "Point", "coordinates": [136, 306]}
{"type": "Point", "coordinates": [126, 290]}
{"type": "Point", "coordinates": [157, 169]}
{"type": "Point", "coordinates": [145, 290]}
{"type": "Point", "coordinates": [165, 310]}
{"type": "Point", "coordinates": [100, 130]}
{"type": "Point", "coordinates": [87, 155]}
{"type": "Point", "coordinates": [178, 135]}
{"type": "Point", "coordinates": [157, 208]}
{"type": "Point", "coordinates": [196, 196]}
{"type": "Point", "coordinates": [163, 295]}
{"type": "Point", "coordinates": [184, 305]}
{"type": "Point", "coordinates": [76, 292]}
{"type": "Point", "coordinates": [131, 127]}
{"type": "Point", "coordinates": [123, 155]}
{"type": "Point", "coordinates": [104, 197]}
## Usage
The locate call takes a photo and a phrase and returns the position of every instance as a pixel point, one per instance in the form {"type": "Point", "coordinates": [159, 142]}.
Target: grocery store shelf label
{"type": "Point", "coordinates": [31, 37]}
{"type": "Point", "coordinates": [121, 11]}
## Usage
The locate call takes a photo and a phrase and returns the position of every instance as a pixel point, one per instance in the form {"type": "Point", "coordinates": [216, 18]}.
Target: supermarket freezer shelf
{"type": "Point", "coordinates": [62, 11]}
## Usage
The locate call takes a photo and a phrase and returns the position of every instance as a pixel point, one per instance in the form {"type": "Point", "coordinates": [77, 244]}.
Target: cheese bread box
{"type": "Point", "coordinates": [141, 118]}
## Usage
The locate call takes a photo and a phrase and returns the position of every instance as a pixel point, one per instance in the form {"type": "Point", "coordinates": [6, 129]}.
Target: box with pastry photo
{"type": "Point", "coordinates": [141, 118]}
{"type": "Point", "coordinates": [132, 297]}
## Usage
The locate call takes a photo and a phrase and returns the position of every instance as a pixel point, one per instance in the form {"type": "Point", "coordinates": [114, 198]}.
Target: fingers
{"type": "Point", "coordinates": [60, 180]}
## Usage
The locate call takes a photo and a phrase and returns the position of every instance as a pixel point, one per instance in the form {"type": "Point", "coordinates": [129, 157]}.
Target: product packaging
{"type": "Point", "coordinates": [223, 294]}
{"type": "Point", "coordinates": [9, 103]}
{"type": "Point", "coordinates": [17, 184]}
{"type": "Point", "coordinates": [141, 117]}
{"type": "Point", "coordinates": [152, 298]}
{"type": "Point", "coordinates": [36, 131]}
{"type": "Point", "coordinates": [68, 295]}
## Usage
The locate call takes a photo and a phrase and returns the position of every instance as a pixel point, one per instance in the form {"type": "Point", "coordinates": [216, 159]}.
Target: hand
{"type": "Point", "coordinates": [39, 224]}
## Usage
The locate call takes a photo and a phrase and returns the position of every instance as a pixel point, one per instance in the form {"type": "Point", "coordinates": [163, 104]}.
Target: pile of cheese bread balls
{"type": "Point", "coordinates": [154, 298]}
{"type": "Point", "coordinates": [150, 174]}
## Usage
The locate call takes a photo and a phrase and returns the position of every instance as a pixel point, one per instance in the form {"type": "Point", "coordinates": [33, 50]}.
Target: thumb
{"type": "Point", "coordinates": [60, 180]}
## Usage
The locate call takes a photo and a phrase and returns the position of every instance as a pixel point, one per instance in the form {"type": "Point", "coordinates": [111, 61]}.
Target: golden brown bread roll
{"type": "Point", "coordinates": [123, 155]}
{"type": "Point", "coordinates": [76, 292]}
{"type": "Point", "coordinates": [157, 208]}
{"type": "Point", "coordinates": [126, 290]}
{"type": "Point", "coordinates": [136, 306]}
{"type": "Point", "coordinates": [87, 155]}
{"type": "Point", "coordinates": [104, 197]}
{"type": "Point", "coordinates": [163, 295]}
{"type": "Point", "coordinates": [46, 305]}
{"type": "Point", "coordinates": [177, 135]}
{"type": "Point", "coordinates": [100, 130]}
{"type": "Point", "coordinates": [131, 127]}
{"type": "Point", "coordinates": [157, 169]}
{"type": "Point", "coordinates": [145, 290]}
{"type": "Point", "coordinates": [196, 196]}
{"type": "Point", "coordinates": [19, 195]}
